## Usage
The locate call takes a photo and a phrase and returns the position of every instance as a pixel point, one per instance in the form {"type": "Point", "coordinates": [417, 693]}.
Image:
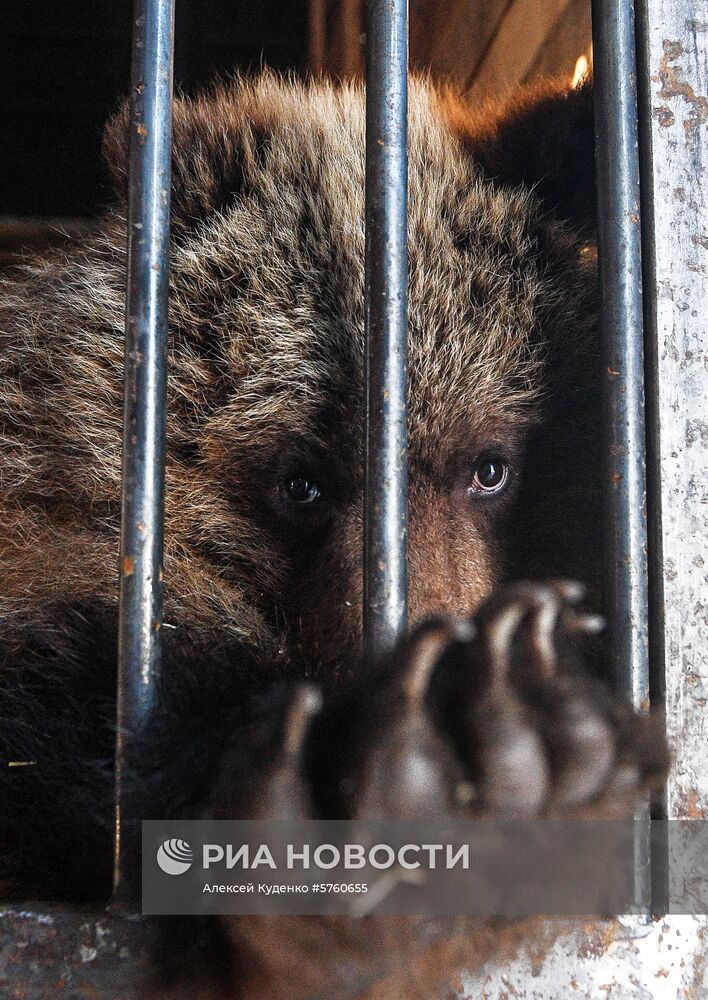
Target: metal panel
{"type": "Point", "coordinates": [676, 117]}
{"type": "Point", "coordinates": [144, 412]}
{"type": "Point", "coordinates": [625, 959]}
{"type": "Point", "coordinates": [386, 492]}
{"type": "Point", "coordinates": [673, 44]}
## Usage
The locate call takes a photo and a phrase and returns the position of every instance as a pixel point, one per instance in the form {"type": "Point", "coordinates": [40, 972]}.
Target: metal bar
{"type": "Point", "coordinates": [622, 339]}
{"type": "Point", "coordinates": [144, 412]}
{"type": "Point", "coordinates": [657, 649]}
{"type": "Point", "coordinates": [619, 244]}
{"type": "Point", "coordinates": [386, 489]}
{"type": "Point", "coordinates": [659, 843]}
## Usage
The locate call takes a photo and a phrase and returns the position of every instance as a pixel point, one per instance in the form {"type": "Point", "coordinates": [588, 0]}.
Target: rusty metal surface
{"type": "Point", "coordinates": [625, 959]}
{"type": "Point", "coordinates": [70, 953]}
{"type": "Point", "coordinates": [678, 42]}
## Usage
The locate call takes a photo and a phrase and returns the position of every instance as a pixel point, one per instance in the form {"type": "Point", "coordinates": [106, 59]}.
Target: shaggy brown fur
{"type": "Point", "coordinates": [266, 384]}
{"type": "Point", "coordinates": [266, 365]}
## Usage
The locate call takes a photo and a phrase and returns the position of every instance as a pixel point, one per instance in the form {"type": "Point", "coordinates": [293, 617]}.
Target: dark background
{"type": "Point", "coordinates": [65, 65]}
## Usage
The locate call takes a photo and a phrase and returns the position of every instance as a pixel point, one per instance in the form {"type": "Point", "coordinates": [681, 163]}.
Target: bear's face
{"type": "Point", "coordinates": [268, 321]}
{"type": "Point", "coordinates": [266, 373]}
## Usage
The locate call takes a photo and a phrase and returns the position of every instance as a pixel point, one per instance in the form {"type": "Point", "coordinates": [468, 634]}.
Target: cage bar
{"type": "Point", "coordinates": [386, 486]}
{"type": "Point", "coordinates": [146, 322]}
{"type": "Point", "coordinates": [620, 262]}
{"type": "Point", "coordinates": [622, 352]}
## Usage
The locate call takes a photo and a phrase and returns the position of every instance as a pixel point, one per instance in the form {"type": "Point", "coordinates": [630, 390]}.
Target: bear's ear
{"type": "Point", "coordinates": [213, 143]}
{"type": "Point", "coordinates": [544, 138]}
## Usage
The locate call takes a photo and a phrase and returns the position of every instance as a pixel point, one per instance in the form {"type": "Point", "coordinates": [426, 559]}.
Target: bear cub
{"type": "Point", "coordinates": [264, 509]}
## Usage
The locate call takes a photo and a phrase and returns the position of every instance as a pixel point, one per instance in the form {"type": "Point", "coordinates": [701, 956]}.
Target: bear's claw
{"type": "Point", "coordinates": [488, 717]}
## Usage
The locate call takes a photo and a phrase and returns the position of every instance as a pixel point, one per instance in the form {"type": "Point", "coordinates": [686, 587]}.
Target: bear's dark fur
{"type": "Point", "coordinates": [265, 391]}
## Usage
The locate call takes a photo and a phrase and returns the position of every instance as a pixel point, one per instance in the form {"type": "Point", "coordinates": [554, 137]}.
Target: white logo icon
{"type": "Point", "coordinates": [174, 857]}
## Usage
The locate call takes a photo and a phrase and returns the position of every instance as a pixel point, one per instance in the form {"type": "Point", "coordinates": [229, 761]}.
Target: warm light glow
{"type": "Point", "coordinates": [581, 68]}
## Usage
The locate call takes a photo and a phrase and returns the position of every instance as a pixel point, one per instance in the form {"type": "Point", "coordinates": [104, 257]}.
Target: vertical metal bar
{"type": "Point", "coordinates": [619, 240]}
{"type": "Point", "coordinates": [651, 358]}
{"type": "Point", "coordinates": [386, 490]}
{"type": "Point", "coordinates": [659, 844]}
{"type": "Point", "coordinates": [144, 411]}
{"type": "Point", "coordinates": [622, 336]}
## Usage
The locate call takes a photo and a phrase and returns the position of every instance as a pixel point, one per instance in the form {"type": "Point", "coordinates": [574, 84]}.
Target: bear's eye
{"type": "Point", "coordinates": [490, 475]}
{"type": "Point", "coordinates": [302, 490]}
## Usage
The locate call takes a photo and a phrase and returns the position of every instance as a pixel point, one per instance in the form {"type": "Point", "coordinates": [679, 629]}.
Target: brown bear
{"type": "Point", "coordinates": [264, 507]}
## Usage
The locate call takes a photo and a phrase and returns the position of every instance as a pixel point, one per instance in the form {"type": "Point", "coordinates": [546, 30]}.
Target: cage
{"type": "Point", "coordinates": [649, 66]}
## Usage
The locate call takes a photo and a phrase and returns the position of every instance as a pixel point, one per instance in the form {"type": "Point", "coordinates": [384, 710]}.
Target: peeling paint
{"type": "Point", "coordinates": [689, 804]}
{"type": "Point", "coordinates": [71, 952]}
{"type": "Point", "coordinates": [639, 959]}
{"type": "Point", "coordinates": [664, 115]}
{"type": "Point", "coordinates": [674, 85]}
